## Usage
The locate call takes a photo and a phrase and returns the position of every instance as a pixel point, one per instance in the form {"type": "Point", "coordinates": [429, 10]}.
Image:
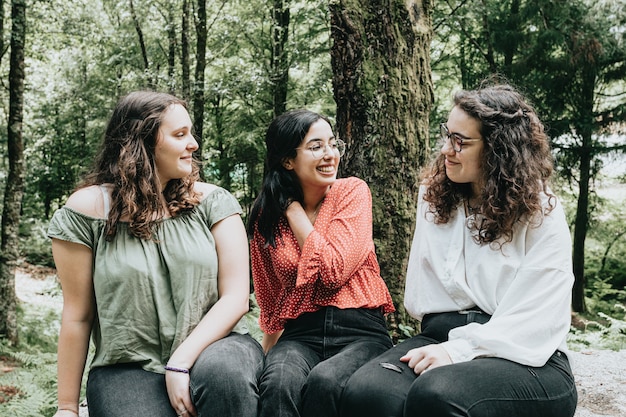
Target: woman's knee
{"type": "Point", "coordinates": [432, 396]}
{"type": "Point", "coordinates": [370, 392]}
{"type": "Point", "coordinates": [237, 358]}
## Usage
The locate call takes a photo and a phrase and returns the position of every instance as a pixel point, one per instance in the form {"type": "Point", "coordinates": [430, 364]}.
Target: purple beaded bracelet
{"type": "Point", "coordinates": [175, 369]}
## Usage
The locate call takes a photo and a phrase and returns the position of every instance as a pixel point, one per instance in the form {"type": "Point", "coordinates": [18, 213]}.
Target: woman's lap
{"type": "Point", "coordinates": [483, 387]}
{"type": "Point", "coordinates": [307, 369]}
{"type": "Point", "coordinates": [222, 383]}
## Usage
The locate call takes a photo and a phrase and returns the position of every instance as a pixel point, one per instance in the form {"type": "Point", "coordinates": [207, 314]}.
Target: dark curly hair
{"type": "Point", "coordinates": [126, 161]}
{"type": "Point", "coordinates": [516, 160]}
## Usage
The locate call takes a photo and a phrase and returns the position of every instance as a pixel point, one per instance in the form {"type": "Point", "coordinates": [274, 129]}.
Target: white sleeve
{"type": "Point", "coordinates": [532, 318]}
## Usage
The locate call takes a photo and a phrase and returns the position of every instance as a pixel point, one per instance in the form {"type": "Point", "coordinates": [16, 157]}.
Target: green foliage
{"type": "Point", "coordinates": [406, 332]}
{"type": "Point", "coordinates": [604, 325]}
{"type": "Point", "coordinates": [34, 363]}
{"type": "Point", "coordinates": [600, 331]}
{"type": "Point", "coordinates": [34, 242]}
{"type": "Point", "coordinates": [252, 319]}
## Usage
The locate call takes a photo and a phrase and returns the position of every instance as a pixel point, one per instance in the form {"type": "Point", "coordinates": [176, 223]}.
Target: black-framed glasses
{"type": "Point", "coordinates": [318, 150]}
{"type": "Point", "coordinates": [456, 140]}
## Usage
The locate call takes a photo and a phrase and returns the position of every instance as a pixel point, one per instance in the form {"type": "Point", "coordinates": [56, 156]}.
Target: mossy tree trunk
{"type": "Point", "coordinates": [383, 90]}
{"type": "Point", "coordinates": [15, 179]}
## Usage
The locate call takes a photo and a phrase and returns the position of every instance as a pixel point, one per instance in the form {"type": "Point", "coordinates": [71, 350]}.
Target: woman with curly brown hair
{"type": "Point", "coordinates": [153, 265]}
{"type": "Point", "coordinates": [489, 277]}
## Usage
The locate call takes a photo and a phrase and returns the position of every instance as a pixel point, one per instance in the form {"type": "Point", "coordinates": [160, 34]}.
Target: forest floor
{"type": "Point", "coordinates": [600, 374]}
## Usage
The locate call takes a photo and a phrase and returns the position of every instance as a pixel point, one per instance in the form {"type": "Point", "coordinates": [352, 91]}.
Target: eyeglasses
{"type": "Point", "coordinates": [456, 140]}
{"type": "Point", "coordinates": [318, 150]}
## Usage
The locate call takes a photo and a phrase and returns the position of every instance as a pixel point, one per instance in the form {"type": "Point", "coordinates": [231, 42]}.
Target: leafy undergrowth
{"type": "Point", "coordinates": [28, 378]}
{"type": "Point", "coordinates": [598, 331]}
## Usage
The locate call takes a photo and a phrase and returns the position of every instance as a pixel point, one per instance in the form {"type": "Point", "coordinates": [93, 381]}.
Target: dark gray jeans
{"type": "Point", "coordinates": [305, 372]}
{"type": "Point", "coordinates": [483, 387]}
{"type": "Point", "coordinates": [223, 383]}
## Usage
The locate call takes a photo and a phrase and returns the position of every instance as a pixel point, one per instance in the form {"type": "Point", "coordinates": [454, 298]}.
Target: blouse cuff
{"type": "Point", "coordinates": [310, 260]}
{"type": "Point", "coordinates": [459, 350]}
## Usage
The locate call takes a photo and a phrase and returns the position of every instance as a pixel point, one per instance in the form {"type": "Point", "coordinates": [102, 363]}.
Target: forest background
{"type": "Point", "coordinates": [384, 71]}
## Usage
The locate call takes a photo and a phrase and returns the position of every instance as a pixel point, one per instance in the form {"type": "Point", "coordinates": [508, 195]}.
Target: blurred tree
{"type": "Point", "coordinates": [14, 189]}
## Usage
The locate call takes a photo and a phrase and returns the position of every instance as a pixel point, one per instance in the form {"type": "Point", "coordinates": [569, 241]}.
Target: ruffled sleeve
{"type": "Point", "coordinates": [218, 205]}
{"type": "Point", "coordinates": [69, 225]}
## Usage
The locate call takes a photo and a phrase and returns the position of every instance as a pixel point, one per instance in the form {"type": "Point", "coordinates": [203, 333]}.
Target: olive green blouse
{"type": "Point", "coordinates": [150, 294]}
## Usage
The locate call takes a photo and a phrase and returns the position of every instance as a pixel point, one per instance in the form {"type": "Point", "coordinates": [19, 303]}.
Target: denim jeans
{"type": "Point", "coordinates": [223, 383]}
{"type": "Point", "coordinates": [306, 370]}
{"type": "Point", "coordinates": [483, 387]}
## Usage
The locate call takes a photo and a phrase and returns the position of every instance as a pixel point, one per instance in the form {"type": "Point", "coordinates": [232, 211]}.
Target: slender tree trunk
{"type": "Point", "coordinates": [383, 89]}
{"type": "Point", "coordinates": [580, 234]}
{"type": "Point", "coordinates": [171, 49]}
{"type": "Point", "coordinates": [15, 179]}
{"type": "Point", "coordinates": [510, 48]}
{"type": "Point", "coordinates": [223, 163]}
{"type": "Point", "coordinates": [280, 60]}
{"type": "Point", "coordinates": [184, 50]}
{"type": "Point", "coordinates": [198, 90]}
{"type": "Point", "coordinates": [142, 45]}
{"type": "Point", "coordinates": [1, 28]}
{"type": "Point", "coordinates": [585, 120]}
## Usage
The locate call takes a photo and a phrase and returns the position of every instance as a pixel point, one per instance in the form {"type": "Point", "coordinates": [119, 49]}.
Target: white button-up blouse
{"type": "Point", "coordinates": [524, 284]}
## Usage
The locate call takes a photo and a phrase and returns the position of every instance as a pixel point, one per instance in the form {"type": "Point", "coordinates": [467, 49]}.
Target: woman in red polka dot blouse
{"type": "Point", "coordinates": [316, 277]}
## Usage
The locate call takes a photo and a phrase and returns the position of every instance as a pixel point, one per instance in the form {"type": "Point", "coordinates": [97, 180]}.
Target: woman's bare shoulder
{"type": "Point", "coordinates": [88, 201]}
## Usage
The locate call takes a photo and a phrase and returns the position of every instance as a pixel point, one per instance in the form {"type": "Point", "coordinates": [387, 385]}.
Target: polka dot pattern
{"type": "Point", "coordinates": [337, 265]}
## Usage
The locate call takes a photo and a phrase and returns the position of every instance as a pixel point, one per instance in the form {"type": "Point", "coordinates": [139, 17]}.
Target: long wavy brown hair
{"type": "Point", "coordinates": [126, 162]}
{"type": "Point", "coordinates": [516, 160]}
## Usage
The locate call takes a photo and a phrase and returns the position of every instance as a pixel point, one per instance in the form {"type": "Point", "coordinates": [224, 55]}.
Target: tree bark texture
{"type": "Point", "coordinates": [15, 179]}
{"type": "Point", "coordinates": [198, 89]}
{"type": "Point", "coordinates": [383, 90]}
{"type": "Point", "coordinates": [584, 110]}
{"type": "Point", "coordinates": [184, 50]}
{"type": "Point", "coordinates": [280, 62]}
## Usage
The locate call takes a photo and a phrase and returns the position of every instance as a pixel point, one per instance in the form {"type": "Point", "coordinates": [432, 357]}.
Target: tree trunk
{"type": "Point", "coordinates": [184, 51]}
{"type": "Point", "coordinates": [198, 89]}
{"type": "Point", "coordinates": [280, 62]}
{"type": "Point", "coordinates": [171, 49]}
{"type": "Point", "coordinates": [217, 111]}
{"type": "Point", "coordinates": [383, 90]}
{"type": "Point", "coordinates": [584, 122]}
{"type": "Point", "coordinates": [142, 43]}
{"type": "Point", "coordinates": [15, 179]}
{"type": "Point", "coordinates": [580, 233]}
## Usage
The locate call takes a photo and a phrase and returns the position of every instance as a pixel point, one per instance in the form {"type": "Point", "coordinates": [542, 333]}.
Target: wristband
{"type": "Point", "coordinates": [175, 369]}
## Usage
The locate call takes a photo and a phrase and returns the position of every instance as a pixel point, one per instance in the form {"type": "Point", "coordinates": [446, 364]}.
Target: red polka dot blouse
{"type": "Point", "coordinates": [337, 265]}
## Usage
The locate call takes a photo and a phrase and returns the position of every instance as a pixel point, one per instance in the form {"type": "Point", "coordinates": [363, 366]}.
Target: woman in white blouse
{"type": "Point", "coordinates": [489, 277]}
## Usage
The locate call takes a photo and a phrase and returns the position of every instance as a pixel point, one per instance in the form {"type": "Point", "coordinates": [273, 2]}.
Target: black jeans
{"type": "Point", "coordinates": [483, 387]}
{"type": "Point", "coordinates": [306, 370]}
{"type": "Point", "coordinates": [223, 383]}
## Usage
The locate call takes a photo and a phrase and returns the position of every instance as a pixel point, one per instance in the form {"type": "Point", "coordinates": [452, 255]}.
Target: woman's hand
{"type": "Point", "coordinates": [425, 358]}
{"type": "Point", "coordinates": [269, 340]}
{"type": "Point", "coordinates": [177, 384]}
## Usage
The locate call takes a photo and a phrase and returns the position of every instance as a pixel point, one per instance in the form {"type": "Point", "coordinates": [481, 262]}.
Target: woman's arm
{"type": "Point", "coordinates": [333, 255]}
{"type": "Point", "coordinates": [74, 268]}
{"type": "Point", "coordinates": [532, 316]}
{"type": "Point", "coordinates": [299, 222]}
{"type": "Point", "coordinates": [234, 289]}
{"type": "Point", "coordinates": [269, 340]}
